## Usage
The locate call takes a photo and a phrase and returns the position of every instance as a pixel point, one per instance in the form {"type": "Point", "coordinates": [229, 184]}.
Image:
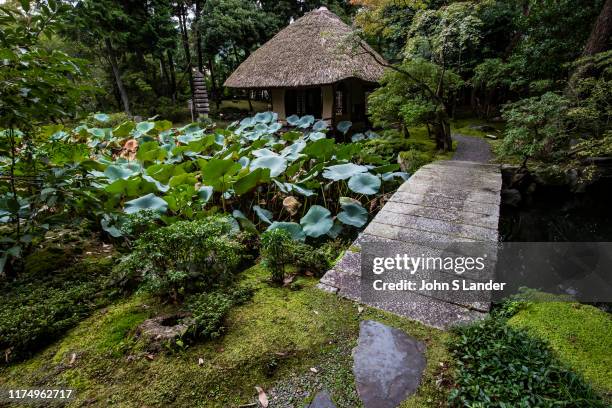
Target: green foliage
{"type": "Point", "coordinates": [536, 127]}
{"type": "Point", "coordinates": [414, 159]}
{"type": "Point", "coordinates": [279, 250]}
{"type": "Point", "coordinates": [39, 307]}
{"type": "Point", "coordinates": [183, 257]}
{"type": "Point", "coordinates": [210, 309]}
{"type": "Point", "coordinates": [580, 335]}
{"type": "Point", "coordinates": [274, 250]}
{"type": "Point", "coordinates": [500, 366]}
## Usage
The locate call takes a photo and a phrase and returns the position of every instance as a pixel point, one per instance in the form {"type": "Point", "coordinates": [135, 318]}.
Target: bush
{"type": "Point", "coordinates": [184, 257]}
{"type": "Point", "coordinates": [499, 366]}
{"type": "Point", "coordinates": [412, 160]}
{"type": "Point", "coordinates": [275, 249]}
{"type": "Point", "coordinates": [209, 310]}
{"type": "Point", "coordinates": [279, 250]}
{"type": "Point", "coordinates": [38, 308]}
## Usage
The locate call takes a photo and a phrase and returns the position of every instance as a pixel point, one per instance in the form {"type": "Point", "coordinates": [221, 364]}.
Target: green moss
{"type": "Point", "coordinates": [47, 260]}
{"type": "Point", "coordinates": [462, 126]}
{"type": "Point", "coordinates": [581, 335]}
{"type": "Point", "coordinates": [271, 341]}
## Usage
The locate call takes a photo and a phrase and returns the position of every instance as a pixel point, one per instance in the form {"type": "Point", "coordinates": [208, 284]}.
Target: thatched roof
{"type": "Point", "coordinates": [316, 49]}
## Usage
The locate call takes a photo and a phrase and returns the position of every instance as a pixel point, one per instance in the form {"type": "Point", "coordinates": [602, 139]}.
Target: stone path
{"type": "Point", "coordinates": [442, 203]}
{"type": "Point", "coordinates": [388, 365]}
{"type": "Point", "coordinates": [472, 148]}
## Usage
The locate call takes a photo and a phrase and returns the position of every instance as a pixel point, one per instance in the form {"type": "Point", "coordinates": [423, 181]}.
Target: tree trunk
{"type": "Point", "coordinates": [216, 93]}
{"type": "Point", "coordinates": [115, 66]}
{"type": "Point", "coordinates": [172, 75]}
{"type": "Point", "coordinates": [185, 38]}
{"type": "Point", "coordinates": [196, 31]}
{"type": "Point", "coordinates": [164, 70]}
{"type": "Point", "coordinates": [599, 40]}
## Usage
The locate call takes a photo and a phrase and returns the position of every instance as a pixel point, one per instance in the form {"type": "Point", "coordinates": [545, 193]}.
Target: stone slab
{"type": "Point", "coordinates": [322, 400]}
{"type": "Point", "coordinates": [442, 202]}
{"type": "Point", "coordinates": [449, 215]}
{"type": "Point", "coordinates": [388, 365]}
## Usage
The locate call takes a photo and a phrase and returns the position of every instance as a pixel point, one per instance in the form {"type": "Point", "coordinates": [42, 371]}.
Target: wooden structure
{"type": "Point", "coordinates": [200, 104]}
{"type": "Point", "coordinates": [314, 66]}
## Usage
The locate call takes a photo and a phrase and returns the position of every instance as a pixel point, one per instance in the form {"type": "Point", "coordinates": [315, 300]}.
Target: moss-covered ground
{"type": "Point", "coordinates": [581, 336]}
{"type": "Point", "coordinates": [272, 341]}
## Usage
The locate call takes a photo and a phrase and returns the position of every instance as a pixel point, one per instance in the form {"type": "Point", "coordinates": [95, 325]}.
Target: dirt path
{"type": "Point", "coordinates": [471, 148]}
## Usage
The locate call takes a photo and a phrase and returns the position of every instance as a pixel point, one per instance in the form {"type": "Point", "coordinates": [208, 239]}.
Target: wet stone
{"type": "Point", "coordinates": [322, 400]}
{"type": "Point", "coordinates": [387, 364]}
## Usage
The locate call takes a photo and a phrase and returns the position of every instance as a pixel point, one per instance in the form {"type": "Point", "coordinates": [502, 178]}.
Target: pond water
{"type": "Point", "coordinates": [554, 214]}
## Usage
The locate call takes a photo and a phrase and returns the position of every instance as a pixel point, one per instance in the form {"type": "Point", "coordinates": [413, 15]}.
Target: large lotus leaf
{"type": "Point", "coordinates": [321, 149]}
{"type": "Point", "coordinates": [145, 127]}
{"type": "Point", "coordinates": [244, 161]}
{"type": "Point", "coordinates": [163, 125]}
{"type": "Point", "coordinates": [205, 192]}
{"type": "Point", "coordinates": [314, 136]}
{"type": "Point", "coordinates": [364, 183]}
{"type": "Point", "coordinates": [317, 221]}
{"type": "Point", "coordinates": [301, 190]}
{"type": "Point", "coordinates": [357, 137]}
{"type": "Point", "coordinates": [319, 126]}
{"type": "Point", "coordinates": [97, 133]}
{"type": "Point", "coordinates": [294, 229]}
{"type": "Point", "coordinates": [293, 120]}
{"type": "Point", "coordinates": [274, 127]}
{"type": "Point", "coordinates": [247, 122]}
{"type": "Point", "coordinates": [150, 151]}
{"type": "Point", "coordinates": [335, 230]}
{"type": "Point", "coordinates": [276, 164]}
{"type": "Point", "coordinates": [264, 152]}
{"type": "Point", "coordinates": [344, 126]}
{"type": "Point", "coordinates": [386, 168]}
{"type": "Point", "coordinates": [101, 117]}
{"type": "Point", "coordinates": [185, 178]}
{"type": "Point", "coordinates": [216, 169]}
{"type": "Point", "coordinates": [161, 187]}
{"type": "Point", "coordinates": [353, 214]}
{"type": "Point", "coordinates": [305, 121]}
{"type": "Point", "coordinates": [292, 152]}
{"type": "Point", "coordinates": [372, 135]}
{"type": "Point", "coordinates": [263, 214]}
{"type": "Point", "coordinates": [115, 172]}
{"type": "Point", "coordinates": [399, 174]}
{"type": "Point", "coordinates": [124, 129]}
{"type": "Point", "coordinates": [147, 202]}
{"type": "Point", "coordinates": [263, 117]}
{"type": "Point", "coordinates": [343, 171]}
{"type": "Point", "coordinates": [250, 181]}
{"type": "Point", "coordinates": [244, 222]}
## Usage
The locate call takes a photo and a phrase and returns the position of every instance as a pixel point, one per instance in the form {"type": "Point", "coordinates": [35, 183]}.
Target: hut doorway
{"type": "Point", "coordinates": [303, 102]}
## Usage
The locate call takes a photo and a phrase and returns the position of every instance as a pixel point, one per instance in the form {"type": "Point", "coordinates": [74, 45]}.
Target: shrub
{"type": "Point", "coordinates": [139, 223]}
{"type": "Point", "coordinates": [279, 250]}
{"type": "Point", "coordinates": [275, 245]}
{"type": "Point", "coordinates": [412, 160]}
{"type": "Point", "coordinates": [209, 310]}
{"type": "Point", "coordinates": [38, 308]}
{"type": "Point", "coordinates": [172, 261]}
{"type": "Point", "coordinates": [499, 366]}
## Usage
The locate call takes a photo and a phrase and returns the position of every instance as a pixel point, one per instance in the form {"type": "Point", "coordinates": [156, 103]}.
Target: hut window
{"type": "Point", "coordinates": [339, 102]}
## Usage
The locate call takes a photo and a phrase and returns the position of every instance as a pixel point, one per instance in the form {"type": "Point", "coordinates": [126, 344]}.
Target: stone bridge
{"type": "Point", "coordinates": [443, 202]}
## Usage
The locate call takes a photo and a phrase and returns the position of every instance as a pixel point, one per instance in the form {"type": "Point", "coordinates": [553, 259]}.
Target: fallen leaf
{"type": "Point", "coordinates": [200, 361]}
{"type": "Point", "coordinates": [263, 398]}
{"type": "Point", "coordinates": [314, 370]}
{"type": "Point", "coordinates": [72, 359]}
{"type": "Point", "coordinates": [315, 312]}
{"type": "Point", "coordinates": [359, 309]}
{"type": "Point", "coordinates": [150, 357]}
{"type": "Point", "coordinates": [288, 280]}
{"type": "Point", "coordinates": [308, 273]}
{"type": "Point", "coordinates": [291, 205]}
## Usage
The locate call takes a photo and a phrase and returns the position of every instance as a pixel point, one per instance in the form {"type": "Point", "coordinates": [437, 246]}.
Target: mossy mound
{"type": "Point", "coordinates": [581, 336]}
{"type": "Point", "coordinates": [271, 341]}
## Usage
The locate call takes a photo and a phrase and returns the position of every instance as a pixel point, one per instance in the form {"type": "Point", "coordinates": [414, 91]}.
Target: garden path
{"type": "Point", "coordinates": [442, 203]}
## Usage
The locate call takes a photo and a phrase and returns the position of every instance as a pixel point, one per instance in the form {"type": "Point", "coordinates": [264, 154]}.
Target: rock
{"type": "Point", "coordinates": [483, 128]}
{"type": "Point", "coordinates": [387, 364]}
{"type": "Point", "coordinates": [164, 329]}
{"type": "Point", "coordinates": [511, 197]}
{"type": "Point", "coordinates": [137, 119]}
{"type": "Point", "coordinates": [322, 400]}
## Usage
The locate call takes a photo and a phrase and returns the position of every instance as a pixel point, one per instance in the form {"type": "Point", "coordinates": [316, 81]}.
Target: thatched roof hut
{"type": "Point", "coordinates": [312, 66]}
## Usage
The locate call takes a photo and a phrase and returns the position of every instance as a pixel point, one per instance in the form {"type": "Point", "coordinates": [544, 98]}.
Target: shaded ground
{"type": "Point", "coordinates": [470, 148]}
{"type": "Point", "coordinates": [272, 341]}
